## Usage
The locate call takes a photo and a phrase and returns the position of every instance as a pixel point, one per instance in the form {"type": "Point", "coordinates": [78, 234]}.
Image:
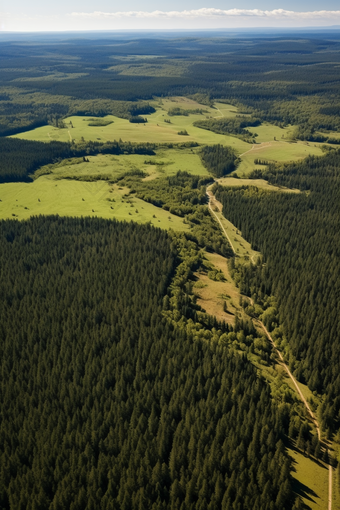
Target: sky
{"type": "Point", "coordinates": [66, 15]}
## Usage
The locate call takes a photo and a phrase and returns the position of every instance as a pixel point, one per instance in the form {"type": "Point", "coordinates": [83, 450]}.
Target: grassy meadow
{"type": "Point", "coordinates": [310, 480]}
{"type": "Point", "coordinates": [46, 195]}
{"type": "Point", "coordinates": [259, 183]}
{"type": "Point", "coordinates": [61, 186]}
{"type": "Point", "coordinates": [155, 130]}
{"type": "Point", "coordinates": [276, 151]}
{"type": "Point", "coordinates": [107, 166]}
{"type": "Point", "coordinates": [212, 294]}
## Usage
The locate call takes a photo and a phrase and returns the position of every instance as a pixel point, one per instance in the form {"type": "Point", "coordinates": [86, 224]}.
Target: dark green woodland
{"type": "Point", "coordinates": [104, 403]}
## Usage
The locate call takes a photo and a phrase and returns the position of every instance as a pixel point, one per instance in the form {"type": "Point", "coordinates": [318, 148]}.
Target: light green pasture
{"type": "Point", "coordinates": [259, 183]}
{"type": "Point", "coordinates": [313, 478]}
{"type": "Point", "coordinates": [267, 132]}
{"type": "Point", "coordinates": [331, 134]}
{"type": "Point", "coordinates": [241, 247]}
{"type": "Point", "coordinates": [155, 130]}
{"type": "Point", "coordinates": [76, 198]}
{"type": "Point", "coordinates": [150, 69]}
{"type": "Point", "coordinates": [276, 151]}
{"type": "Point", "coordinates": [224, 110]}
{"type": "Point", "coordinates": [107, 166]}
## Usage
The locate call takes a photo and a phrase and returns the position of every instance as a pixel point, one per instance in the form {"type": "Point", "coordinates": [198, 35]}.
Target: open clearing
{"type": "Point", "coordinates": [154, 130]}
{"type": "Point", "coordinates": [165, 162]}
{"type": "Point", "coordinates": [212, 294]}
{"type": "Point", "coordinates": [267, 132]}
{"type": "Point", "coordinates": [310, 480]}
{"type": "Point", "coordinates": [276, 151]}
{"type": "Point", "coordinates": [259, 183]}
{"type": "Point", "coordinates": [77, 198]}
{"type": "Point", "coordinates": [240, 246]}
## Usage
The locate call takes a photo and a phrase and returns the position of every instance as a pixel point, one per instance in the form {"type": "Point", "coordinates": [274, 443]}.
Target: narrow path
{"type": "Point", "coordinates": [243, 153]}
{"type": "Point", "coordinates": [69, 134]}
{"type": "Point", "coordinates": [217, 116]}
{"type": "Point", "coordinates": [310, 412]}
{"type": "Point", "coordinates": [212, 197]}
{"type": "Point", "coordinates": [257, 147]}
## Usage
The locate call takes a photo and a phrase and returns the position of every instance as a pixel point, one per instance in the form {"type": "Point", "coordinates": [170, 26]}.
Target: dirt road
{"type": "Point", "coordinates": [213, 201]}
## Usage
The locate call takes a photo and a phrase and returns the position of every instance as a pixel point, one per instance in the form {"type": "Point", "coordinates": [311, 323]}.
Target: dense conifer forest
{"type": "Point", "coordinates": [298, 235]}
{"type": "Point", "coordinates": [105, 403]}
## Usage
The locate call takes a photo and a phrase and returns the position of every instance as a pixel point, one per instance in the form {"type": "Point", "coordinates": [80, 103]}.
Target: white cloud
{"type": "Point", "coordinates": [212, 13]}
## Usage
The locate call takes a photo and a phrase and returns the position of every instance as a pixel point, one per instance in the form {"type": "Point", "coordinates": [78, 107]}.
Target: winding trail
{"type": "Point", "coordinates": [310, 412]}
{"type": "Point", "coordinates": [212, 198]}
{"type": "Point", "coordinates": [257, 147]}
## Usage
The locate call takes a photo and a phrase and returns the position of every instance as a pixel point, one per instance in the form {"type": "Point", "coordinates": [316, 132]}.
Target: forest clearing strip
{"type": "Point", "coordinates": [310, 412]}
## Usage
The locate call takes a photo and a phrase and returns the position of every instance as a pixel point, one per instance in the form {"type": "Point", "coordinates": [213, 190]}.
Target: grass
{"type": "Point", "coordinates": [165, 162]}
{"type": "Point", "coordinates": [60, 193]}
{"type": "Point", "coordinates": [225, 110]}
{"type": "Point", "coordinates": [242, 248]}
{"type": "Point", "coordinates": [155, 130]}
{"type": "Point", "coordinates": [176, 68]}
{"type": "Point", "coordinates": [75, 198]}
{"type": "Point", "coordinates": [268, 132]}
{"type": "Point", "coordinates": [276, 151]}
{"type": "Point", "coordinates": [310, 480]}
{"type": "Point", "coordinates": [331, 134]}
{"type": "Point", "coordinates": [259, 183]}
{"type": "Point", "coordinates": [211, 294]}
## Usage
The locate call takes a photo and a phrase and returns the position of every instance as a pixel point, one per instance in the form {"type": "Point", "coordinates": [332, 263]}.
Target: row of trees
{"type": "Point", "coordinates": [234, 125]}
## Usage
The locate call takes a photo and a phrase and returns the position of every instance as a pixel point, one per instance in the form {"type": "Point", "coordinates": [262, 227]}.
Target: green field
{"type": "Point", "coordinates": [155, 130]}
{"type": "Point", "coordinates": [62, 187]}
{"type": "Point", "coordinates": [267, 132]}
{"type": "Point", "coordinates": [76, 198]}
{"type": "Point", "coordinates": [259, 183]}
{"type": "Point", "coordinates": [276, 151]}
{"type": "Point", "coordinates": [310, 480]}
{"type": "Point", "coordinates": [165, 162]}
